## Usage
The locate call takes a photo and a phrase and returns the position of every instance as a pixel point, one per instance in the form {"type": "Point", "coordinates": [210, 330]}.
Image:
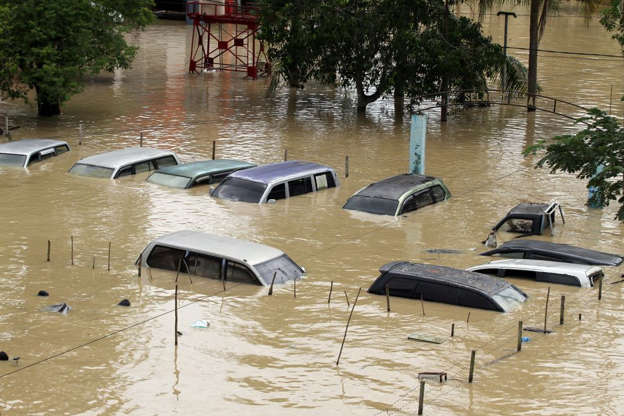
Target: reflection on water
{"type": "Point", "coordinates": [276, 355]}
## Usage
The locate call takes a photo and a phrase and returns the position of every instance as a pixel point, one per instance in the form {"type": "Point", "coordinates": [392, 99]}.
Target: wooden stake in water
{"type": "Point", "coordinates": [422, 304]}
{"type": "Point", "coordinates": [49, 249]}
{"type": "Point", "coordinates": [562, 310]}
{"type": "Point", "coordinates": [214, 149]}
{"type": "Point", "coordinates": [141, 140]}
{"type": "Point", "coordinates": [272, 281]}
{"type": "Point", "coordinates": [285, 155]}
{"type": "Point", "coordinates": [71, 239]}
{"type": "Point", "coordinates": [109, 254]}
{"type": "Point", "coordinates": [453, 329]}
{"type": "Point", "coordinates": [295, 288]}
{"type": "Point", "coordinates": [93, 265]}
{"type": "Point", "coordinates": [421, 398]}
{"type": "Point", "coordinates": [331, 288]}
{"type": "Point", "coordinates": [80, 134]}
{"type": "Point", "coordinates": [176, 302]}
{"type": "Point", "coordinates": [347, 166]}
{"type": "Point", "coordinates": [347, 327]}
{"type": "Point", "coordinates": [580, 317]}
{"type": "Point", "coordinates": [140, 264]}
{"type": "Point", "coordinates": [472, 365]}
{"type": "Point", "coordinates": [347, 296]}
{"type": "Point", "coordinates": [468, 319]}
{"type": "Point", "coordinates": [546, 309]}
{"type": "Point", "coordinates": [600, 288]}
{"type": "Point", "coordinates": [519, 346]}
{"type": "Point", "coordinates": [387, 298]}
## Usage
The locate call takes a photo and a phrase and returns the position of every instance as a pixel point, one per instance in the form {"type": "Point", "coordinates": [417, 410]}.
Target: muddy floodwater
{"type": "Point", "coordinates": [277, 355]}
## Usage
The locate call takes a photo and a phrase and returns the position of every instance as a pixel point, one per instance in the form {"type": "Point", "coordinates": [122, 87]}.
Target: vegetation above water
{"type": "Point", "coordinates": [405, 48]}
{"type": "Point", "coordinates": [50, 46]}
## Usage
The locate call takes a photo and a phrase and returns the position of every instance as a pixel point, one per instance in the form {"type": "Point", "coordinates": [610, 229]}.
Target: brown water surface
{"type": "Point", "coordinates": [277, 355]}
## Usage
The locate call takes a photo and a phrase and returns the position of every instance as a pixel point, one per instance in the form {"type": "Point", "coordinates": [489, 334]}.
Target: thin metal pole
{"type": "Point", "coordinates": [347, 327]}
{"type": "Point", "coordinates": [214, 149]}
{"type": "Point", "coordinates": [562, 310]}
{"type": "Point", "coordinates": [600, 289]}
{"type": "Point", "coordinates": [546, 308]}
{"type": "Point", "coordinates": [472, 365]}
{"type": "Point", "coordinates": [421, 398]}
{"type": "Point", "coordinates": [387, 298]}
{"type": "Point", "coordinates": [331, 288]}
{"type": "Point", "coordinates": [272, 281]}
{"type": "Point", "coordinates": [453, 329]}
{"type": "Point", "coordinates": [49, 249]}
{"type": "Point", "coordinates": [519, 346]}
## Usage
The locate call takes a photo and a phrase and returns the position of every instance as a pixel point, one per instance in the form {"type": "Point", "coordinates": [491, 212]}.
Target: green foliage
{"type": "Point", "coordinates": [50, 46]}
{"type": "Point", "coordinates": [613, 20]}
{"type": "Point", "coordinates": [378, 47]}
{"type": "Point", "coordinates": [601, 143]}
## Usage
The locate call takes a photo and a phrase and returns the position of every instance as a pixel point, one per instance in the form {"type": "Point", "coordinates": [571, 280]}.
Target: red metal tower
{"type": "Point", "coordinates": [224, 38]}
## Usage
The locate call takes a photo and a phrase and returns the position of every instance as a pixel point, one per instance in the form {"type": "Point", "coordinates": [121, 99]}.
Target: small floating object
{"type": "Point", "coordinates": [433, 375]}
{"type": "Point", "coordinates": [200, 324]}
{"type": "Point", "coordinates": [124, 302]}
{"type": "Point", "coordinates": [4, 356]}
{"type": "Point", "coordinates": [16, 360]}
{"type": "Point", "coordinates": [43, 293]}
{"type": "Point", "coordinates": [59, 307]}
{"type": "Point", "coordinates": [525, 339]}
{"type": "Point", "coordinates": [540, 330]}
{"type": "Point", "coordinates": [426, 338]}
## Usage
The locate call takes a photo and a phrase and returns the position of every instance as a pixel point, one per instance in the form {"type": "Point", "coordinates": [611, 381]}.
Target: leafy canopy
{"type": "Point", "coordinates": [50, 46]}
{"type": "Point", "coordinates": [600, 144]}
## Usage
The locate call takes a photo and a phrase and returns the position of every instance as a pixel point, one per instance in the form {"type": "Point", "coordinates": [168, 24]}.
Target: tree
{"type": "Point", "coordinates": [600, 145]}
{"type": "Point", "coordinates": [613, 20]}
{"type": "Point", "coordinates": [52, 46]}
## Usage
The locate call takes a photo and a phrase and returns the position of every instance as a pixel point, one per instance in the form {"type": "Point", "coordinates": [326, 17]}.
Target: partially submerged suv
{"type": "Point", "coordinates": [543, 271]}
{"type": "Point", "coordinates": [23, 153]}
{"type": "Point", "coordinates": [398, 195]}
{"type": "Point", "coordinates": [276, 181]}
{"type": "Point", "coordinates": [447, 285]}
{"type": "Point", "coordinates": [192, 174]}
{"type": "Point", "coordinates": [124, 162]}
{"type": "Point", "coordinates": [219, 257]}
{"type": "Point", "coordinates": [531, 218]}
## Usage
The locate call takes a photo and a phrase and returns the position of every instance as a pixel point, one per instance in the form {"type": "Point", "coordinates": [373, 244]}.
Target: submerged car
{"type": "Point", "coordinates": [543, 271]}
{"type": "Point", "coordinates": [23, 153]}
{"type": "Point", "coordinates": [219, 257]}
{"type": "Point", "coordinates": [398, 195]}
{"type": "Point", "coordinates": [447, 285]}
{"type": "Point", "coordinates": [276, 181]}
{"type": "Point", "coordinates": [192, 174]}
{"type": "Point", "coordinates": [543, 250]}
{"type": "Point", "coordinates": [124, 162]}
{"type": "Point", "coordinates": [531, 218]}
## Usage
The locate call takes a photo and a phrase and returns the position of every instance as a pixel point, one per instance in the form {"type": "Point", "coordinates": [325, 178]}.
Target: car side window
{"type": "Point", "coordinates": [127, 171]}
{"type": "Point", "coordinates": [61, 149]}
{"type": "Point", "coordinates": [300, 186]}
{"type": "Point", "coordinates": [218, 177]}
{"type": "Point", "coordinates": [438, 193]}
{"type": "Point", "coordinates": [165, 161]}
{"type": "Point", "coordinates": [400, 286]}
{"type": "Point", "coordinates": [239, 273]}
{"type": "Point", "coordinates": [165, 258]}
{"type": "Point", "coordinates": [143, 167]}
{"type": "Point", "coordinates": [204, 265]}
{"type": "Point", "coordinates": [278, 192]}
{"type": "Point", "coordinates": [324, 180]}
{"type": "Point", "coordinates": [417, 201]}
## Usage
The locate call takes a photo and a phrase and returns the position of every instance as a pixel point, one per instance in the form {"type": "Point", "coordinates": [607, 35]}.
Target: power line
{"type": "Point", "coordinates": [603, 55]}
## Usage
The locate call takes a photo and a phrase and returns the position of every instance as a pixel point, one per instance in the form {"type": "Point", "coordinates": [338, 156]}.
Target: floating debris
{"type": "Point", "coordinates": [433, 375]}
{"type": "Point", "coordinates": [426, 338]}
{"type": "Point", "coordinates": [200, 324]}
{"type": "Point", "coordinates": [540, 330]}
{"type": "Point", "coordinates": [124, 302]}
{"type": "Point", "coordinates": [443, 251]}
{"type": "Point", "coordinates": [43, 293]}
{"type": "Point", "coordinates": [4, 356]}
{"type": "Point", "coordinates": [59, 307]}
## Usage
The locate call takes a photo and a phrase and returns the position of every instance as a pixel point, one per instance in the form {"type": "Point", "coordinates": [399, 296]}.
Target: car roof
{"type": "Point", "coordinates": [280, 171]}
{"type": "Point", "coordinates": [456, 277]}
{"type": "Point", "coordinates": [529, 209]}
{"type": "Point", "coordinates": [123, 157]}
{"type": "Point", "coordinates": [242, 250]}
{"type": "Point", "coordinates": [573, 253]}
{"type": "Point", "coordinates": [540, 265]}
{"type": "Point", "coordinates": [395, 186]}
{"type": "Point", "coordinates": [205, 167]}
{"type": "Point", "coordinates": [28, 146]}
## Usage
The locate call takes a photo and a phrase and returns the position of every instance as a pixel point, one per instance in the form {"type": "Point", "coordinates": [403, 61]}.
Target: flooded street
{"type": "Point", "coordinates": [276, 355]}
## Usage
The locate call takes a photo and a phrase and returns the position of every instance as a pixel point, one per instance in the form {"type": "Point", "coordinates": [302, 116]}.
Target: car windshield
{"type": "Point", "coordinates": [239, 190]}
{"type": "Point", "coordinates": [12, 160]}
{"type": "Point", "coordinates": [283, 267]}
{"type": "Point", "coordinates": [92, 171]}
{"type": "Point", "coordinates": [509, 298]}
{"type": "Point", "coordinates": [173, 181]}
{"type": "Point", "coordinates": [373, 205]}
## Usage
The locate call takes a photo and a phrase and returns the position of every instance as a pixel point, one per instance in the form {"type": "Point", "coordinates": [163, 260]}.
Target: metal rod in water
{"type": "Point", "coordinates": [49, 249]}
{"type": "Point", "coordinates": [347, 327]}
{"type": "Point", "coordinates": [562, 310]}
{"type": "Point", "coordinates": [272, 281]}
{"type": "Point", "coordinates": [519, 346]}
{"type": "Point", "coordinates": [331, 288]}
{"type": "Point", "coordinates": [214, 149]}
{"type": "Point", "coordinates": [421, 398]}
{"type": "Point", "coordinates": [472, 365]}
{"type": "Point", "coordinates": [600, 289]}
{"type": "Point", "coordinates": [387, 298]}
{"type": "Point", "coordinates": [453, 329]}
{"type": "Point", "coordinates": [546, 309]}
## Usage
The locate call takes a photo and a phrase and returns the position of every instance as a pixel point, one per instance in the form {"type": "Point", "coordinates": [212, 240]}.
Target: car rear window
{"type": "Point", "coordinates": [165, 179]}
{"type": "Point", "coordinates": [373, 205]}
{"type": "Point", "coordinates": [238, 189]}
{"type": "Point", "coordinates": [284, 268]}
{"type": "Point", "coordinates": [12, 160]}
{"type": "Point", "coordinates": [92, 171]}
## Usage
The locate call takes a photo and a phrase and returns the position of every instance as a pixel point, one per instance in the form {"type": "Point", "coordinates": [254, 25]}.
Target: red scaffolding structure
{"type": "Point", "coordinates": [224, 38]}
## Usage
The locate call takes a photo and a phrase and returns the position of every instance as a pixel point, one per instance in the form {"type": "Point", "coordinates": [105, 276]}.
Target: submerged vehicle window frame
{"type": "Point", "coordinates": [279, 263]}
{"type": "Point", "coordinates": [93, 168]}
{"type": "Point", "coordinates": [280, 190]}
{"type": "Point", "coordinates": [509, 305]}
{"type": "Point", "coordinates": [169, 161]}
{"type": "Point", "coordinates": [253, 195]}
{"type": "Point", "coordinates": [300, 186]}
{"type": "Point", "coordinates": [13, 156]}
{"type": "Point", "coordinates": [158, 174]}
{"type": "Point", "coordinates": [330, 182]}
{"type": "Point", "coordinates": [390, 202]}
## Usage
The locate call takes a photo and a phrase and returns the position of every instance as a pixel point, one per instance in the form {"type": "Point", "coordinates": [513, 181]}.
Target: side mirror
{"type": "Point", "coordinates": [304, 269]}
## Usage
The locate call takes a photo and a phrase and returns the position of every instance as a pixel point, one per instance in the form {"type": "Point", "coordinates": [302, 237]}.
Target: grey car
{"type": "Point", "coordinates": [23, 153]}
{"type": "Point", "coordinates": [124, 162]}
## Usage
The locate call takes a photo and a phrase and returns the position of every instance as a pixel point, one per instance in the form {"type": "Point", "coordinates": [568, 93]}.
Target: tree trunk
{"type": "Point", "coordinates": [533, 45]}
{"type": "Point", "coordinates": [363, 99]}
{"type": "Point", "coordinates": [444, 108]}
{"type": "Point", "coordinates": [46, 106]}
